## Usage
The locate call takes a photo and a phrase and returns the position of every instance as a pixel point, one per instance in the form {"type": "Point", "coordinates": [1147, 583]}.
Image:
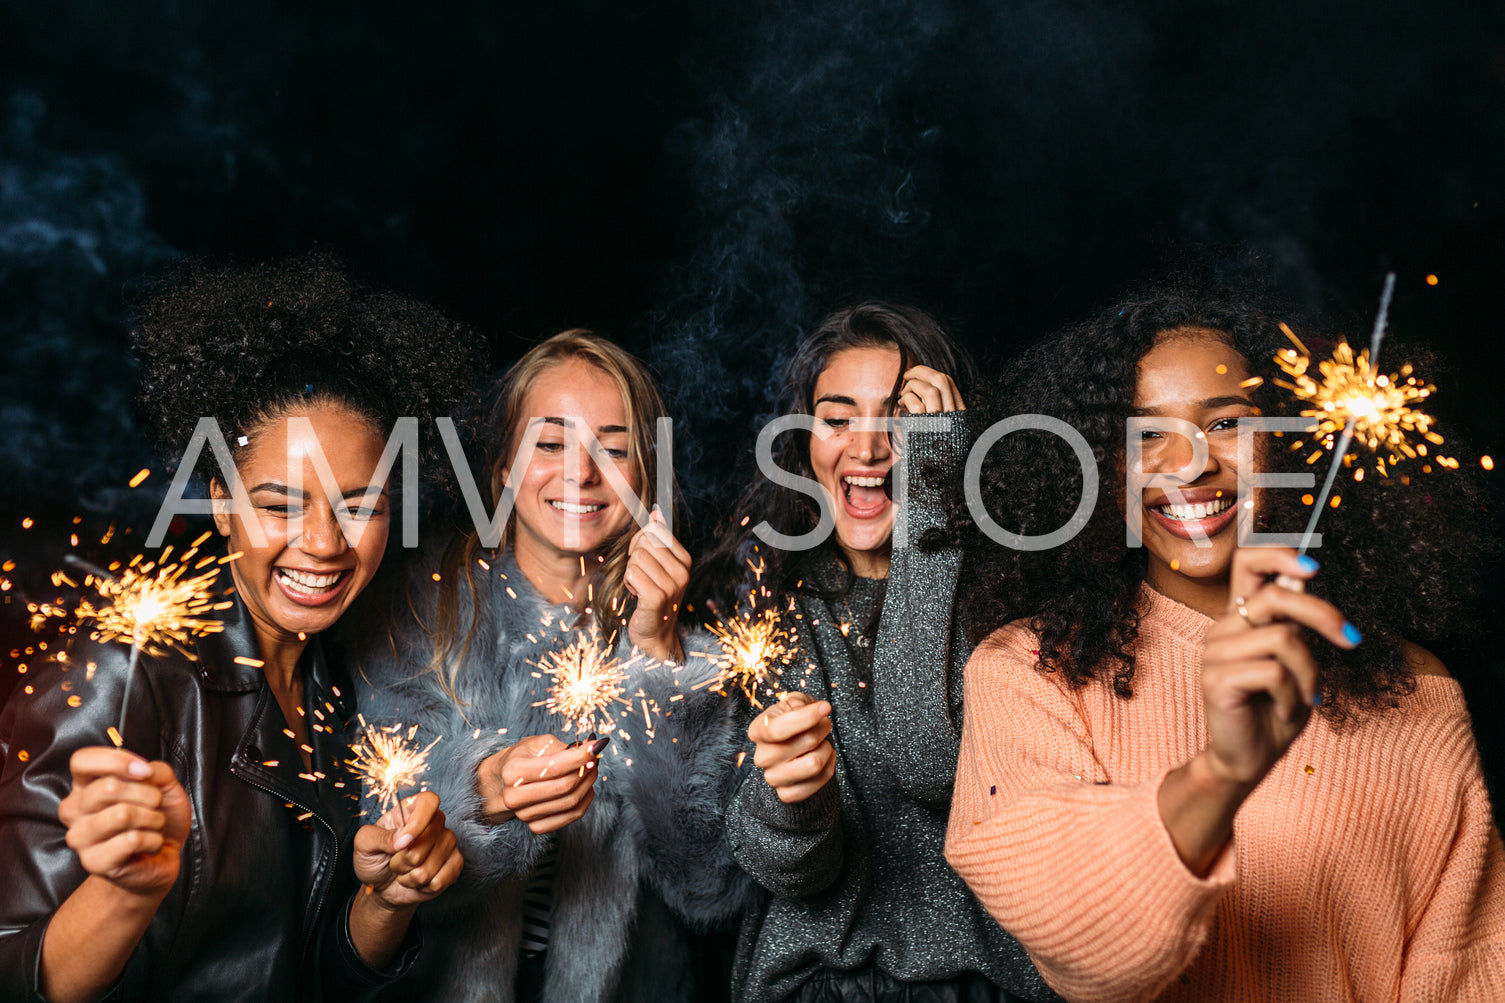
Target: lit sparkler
{"type": "Point", "coordinates": [755, 643]}
{"type": "Point", "coordinates": [1354, 400]}
{"type": "Point", "coordinates": [386, 762]}
{"type": "Point", "coordinates": [587, 682]}
{"type": "Point", "coordinates": [152, 606]}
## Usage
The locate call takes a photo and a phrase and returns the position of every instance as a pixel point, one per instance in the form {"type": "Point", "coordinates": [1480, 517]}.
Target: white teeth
{"type": "Point", "coordinates": [864, 482]}
{"type": "Point", "coordinates": [1191, 513]}
{"type": "Point", "coordinates": [576, 509]}
{"type": "Point", "coordinates": [308, 584]}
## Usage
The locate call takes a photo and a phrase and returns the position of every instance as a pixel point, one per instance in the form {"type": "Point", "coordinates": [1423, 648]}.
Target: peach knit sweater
{"type": "Point", "coordinates": [1366, 866]}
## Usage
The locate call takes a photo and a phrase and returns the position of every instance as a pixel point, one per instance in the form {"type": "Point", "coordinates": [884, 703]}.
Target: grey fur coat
{"type": "Point", "coordinates": [649, 854]}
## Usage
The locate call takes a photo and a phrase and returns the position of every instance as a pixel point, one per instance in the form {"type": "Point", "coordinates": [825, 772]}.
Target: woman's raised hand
{"type": "Point", "coordinates": [929, 391]}
{"type": "Point", "coordinates": [792, 750]}
{"type": "Point", "coordinates": [1259, 681]}
{"type": "Point", "coordinates": [406, 863]}
{"type": "Point", "coordinates": [540, 781]}
{"type": "Point", "coordinates": [658, 571]}
{"type": "Point", "coordinates": [127, 819]}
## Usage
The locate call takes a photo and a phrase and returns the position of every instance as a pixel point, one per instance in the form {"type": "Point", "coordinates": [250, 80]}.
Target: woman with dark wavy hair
{"type": "Point", "coordinates": [1181, 777]}
{"type": "Point", "coordinates": [215, 855]}
{"type": "Point", "coordinates": [842, 817]}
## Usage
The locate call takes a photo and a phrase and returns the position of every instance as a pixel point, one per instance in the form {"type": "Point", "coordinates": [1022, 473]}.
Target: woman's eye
{"type": "Point", "coordinates": [1146, 434]}
{"type": "Point", "coordinates": [283, 510]}
{"type": "Point", "coordinates": [837, 423]}
{"type": "Point", "coordinates": [1224, 425]}
{"type": "Point", "coordinates": [365, 512]}
{"type": "Point", "coordinates": [550, 447]}
{"type": "Point", "coordinates": [616, 454]}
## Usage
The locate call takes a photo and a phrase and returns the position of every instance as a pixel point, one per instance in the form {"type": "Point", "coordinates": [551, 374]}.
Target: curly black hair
{"type": "Point", "coordinates": [1400, 554]}
{"type": "Point", "coordinates": [721, 578]}
{"type": "Point", "coordinates": [243, 344]}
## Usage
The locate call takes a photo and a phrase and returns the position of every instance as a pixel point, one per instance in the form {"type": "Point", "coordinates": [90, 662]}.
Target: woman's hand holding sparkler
{"type": "Point", "coordinates": [405, 859]}
{"type": "Point", "coordinates": [658, 571]}
{"type": "Point", "coordinates": [792, 747]}
{"type": "Point", "coordinates": [1259, 685]}
{"type": "Point", "coordinates": [1259, 681]}
{"type": "Point", "coordinates": [408, 856]}
{"type": "Point", "coordinates": [127, 819]}
{"type": "Point", "coordinates": [540, 781]}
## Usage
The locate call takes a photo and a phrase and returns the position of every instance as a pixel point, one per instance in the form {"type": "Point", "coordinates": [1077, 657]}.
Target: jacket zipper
{"type": "Point", "coordinates": [328, 878]}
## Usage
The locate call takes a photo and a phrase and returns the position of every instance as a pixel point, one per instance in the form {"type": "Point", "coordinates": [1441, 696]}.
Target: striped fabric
{"type": "Point", "coordinates": [538, 901]}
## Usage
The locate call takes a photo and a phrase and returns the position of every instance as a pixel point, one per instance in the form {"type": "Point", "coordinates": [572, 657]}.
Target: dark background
{"type": "Point", "coordinates": [703, 181]}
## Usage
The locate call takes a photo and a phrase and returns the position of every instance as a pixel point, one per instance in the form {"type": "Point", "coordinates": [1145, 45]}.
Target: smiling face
{"type": "Point", "coordinates": [565, 506]}
{"type": "Point", "coordinates": [310, 570]}
{"type": "Point", "coordinates": [1194, 375]}
{"type": "Point", "coordinates": [852, 466]}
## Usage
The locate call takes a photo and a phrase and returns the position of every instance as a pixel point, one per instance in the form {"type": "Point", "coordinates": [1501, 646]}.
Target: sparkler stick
{"type": "Point", "coordinates": [386, 762]}
{"type": "Point", "coordinates": [1344, 441]}
{"type": "Point", "coordinates": [1353, 400]}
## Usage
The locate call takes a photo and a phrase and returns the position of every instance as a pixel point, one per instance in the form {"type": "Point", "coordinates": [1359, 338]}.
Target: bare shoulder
{"type": "Point", "coordinates": [1422, 662]}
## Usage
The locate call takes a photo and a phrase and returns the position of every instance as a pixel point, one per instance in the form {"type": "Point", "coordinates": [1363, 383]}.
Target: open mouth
{"type": "Point", "coordinates": [570, 508]}
{"type": "Point", "coordinates": [866, 495]}
{"type": "Point", "coordinates": [308, 587]}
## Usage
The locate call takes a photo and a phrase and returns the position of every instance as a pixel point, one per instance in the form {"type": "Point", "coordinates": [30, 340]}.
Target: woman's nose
{"type": "Point", "coordinates": [321, 534]}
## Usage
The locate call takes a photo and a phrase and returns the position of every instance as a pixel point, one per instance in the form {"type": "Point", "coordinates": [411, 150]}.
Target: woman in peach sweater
{"type": "Point", "coordinates": [1180, 779]}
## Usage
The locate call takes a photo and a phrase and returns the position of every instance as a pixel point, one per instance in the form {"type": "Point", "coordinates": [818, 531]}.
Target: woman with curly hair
{"type": "Point", "coordinates": [213, 855]}
{"type": "Point", "coordinates": [1181, 777]}
{"type": "Point", "coordinates": [843, 818]}
{"type": "Point", "coordinates": [567, 875]}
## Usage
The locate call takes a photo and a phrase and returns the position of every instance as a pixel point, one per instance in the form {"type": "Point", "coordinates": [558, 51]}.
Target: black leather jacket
{"type": "Point", "coordinates": [259, 908]}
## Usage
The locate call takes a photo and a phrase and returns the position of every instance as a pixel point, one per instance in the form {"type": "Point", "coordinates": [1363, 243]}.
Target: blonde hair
{"type": "Point", "coordinates": [643, 404]}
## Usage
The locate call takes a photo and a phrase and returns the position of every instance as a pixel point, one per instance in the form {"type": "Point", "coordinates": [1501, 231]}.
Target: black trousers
{"type": "Point", "coordinates": [872, 985]}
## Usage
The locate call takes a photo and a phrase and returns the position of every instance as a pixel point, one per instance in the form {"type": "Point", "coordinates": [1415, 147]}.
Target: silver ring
{"type": "Point", "coordinates": [1242, 610]}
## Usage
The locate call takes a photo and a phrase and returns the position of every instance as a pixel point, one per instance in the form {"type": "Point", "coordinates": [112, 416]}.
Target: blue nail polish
{"type": "Point", "coordinates": [1317, 699]}
{"type": "Point", "coordinates": [1307, 564]}
{"type": "Point", "coordinates": [1351, 634]}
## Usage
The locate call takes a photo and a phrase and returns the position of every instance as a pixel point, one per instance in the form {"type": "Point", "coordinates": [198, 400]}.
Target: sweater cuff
{"type": "Point", "coordinates": [816, 813]}
{"type": "Point", "coordinates": [1154, 867]}
{"type": "Point", "coordinates": [934, 449]}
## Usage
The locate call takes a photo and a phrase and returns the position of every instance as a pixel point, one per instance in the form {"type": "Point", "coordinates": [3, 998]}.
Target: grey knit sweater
{"type": "Point", "coordinates": [856, 873]}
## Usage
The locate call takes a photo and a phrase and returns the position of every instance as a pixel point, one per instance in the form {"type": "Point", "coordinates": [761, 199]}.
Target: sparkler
{"type": "Point", "coordinates": [587, 681]}
{"type": "Point", "coordinates": [754, 643]}
{"type": "Point", "coordinates": [386, 762]}
{"type": "Point", "coordinates": [1353, 400]}
{"type": "Point", "coordinates": [152, 606]}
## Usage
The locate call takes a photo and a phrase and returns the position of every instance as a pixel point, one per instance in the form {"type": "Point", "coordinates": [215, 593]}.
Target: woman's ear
{"type": "Point", "coordinates": [217, 493]}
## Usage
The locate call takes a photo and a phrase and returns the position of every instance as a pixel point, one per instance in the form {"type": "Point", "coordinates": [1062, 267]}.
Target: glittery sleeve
{"type": "Point", "coordinates": [913, 657]}
{"type": "Point", "coordinates": [793, 850]}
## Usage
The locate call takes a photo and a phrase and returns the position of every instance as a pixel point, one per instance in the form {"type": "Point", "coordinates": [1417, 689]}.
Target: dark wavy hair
{"type": "Point", "coordinates": [1400, 554]}
{"type": "Point", "coordinates": [245, 344]}
{"type": "Point", "coordinates": [722, 577]}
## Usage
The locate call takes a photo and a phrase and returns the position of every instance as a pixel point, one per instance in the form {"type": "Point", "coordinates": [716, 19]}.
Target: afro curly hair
{"type": "Point", "coordinates": [243, 344]}
{"type": "Point", "coordinates": [1400, 560]}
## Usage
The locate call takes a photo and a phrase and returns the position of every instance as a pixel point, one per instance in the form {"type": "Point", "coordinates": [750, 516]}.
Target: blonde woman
{"type": "Point", "coordinates": [553, 905]}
